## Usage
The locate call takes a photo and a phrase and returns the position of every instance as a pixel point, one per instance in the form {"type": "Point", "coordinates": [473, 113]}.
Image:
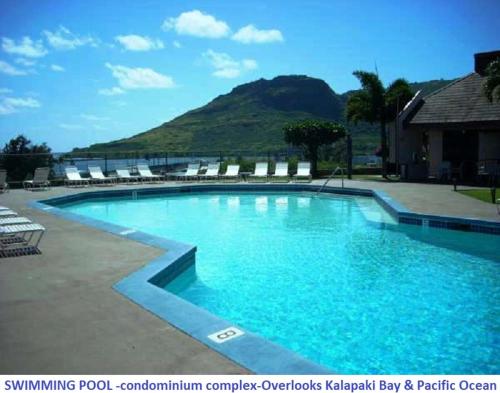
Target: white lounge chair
{"type": "Point", "coordinates": [146, 174]}
{"type": "Point", "coordinates": [260, 172]}
{"type": "Point", "coordinates": [40, 179]}
{"type": "Point", "coordinates": [17, 238]}
{"type": "Point", "coordinates": [73, 177]}
{"type": "Point", "coordinates": [4, 186]}
{"type": "Point", "coordinates": [281, 172]}
{"type": "Point", "coordinates": [191, 172]}
{"type": "Point", "coordinates": [303, 171]}
{"type": "Point", "coordinates": [232, 173]}
{"type": "Point", "coordinates": [14, 221]}
{"type": "Point", "coordinates": [212, 171]}
{"type": "Point", "coordinates": [98, 177]}
{"type": "Point", "coordinates": [124, 174]}
{"type": "Point", "coordinates": [7, 213]}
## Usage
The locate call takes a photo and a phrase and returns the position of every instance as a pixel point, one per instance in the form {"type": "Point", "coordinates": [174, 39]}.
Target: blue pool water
{"type": "Point", "coordinates": [332, 278]}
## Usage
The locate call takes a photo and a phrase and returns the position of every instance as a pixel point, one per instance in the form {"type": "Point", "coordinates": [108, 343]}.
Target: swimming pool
{"type": "Point", "coordinates": [332, 278]}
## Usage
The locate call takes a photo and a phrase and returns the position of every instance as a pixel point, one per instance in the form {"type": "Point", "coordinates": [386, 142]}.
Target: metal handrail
{"type": "Point", "coordinates": [331, 177]}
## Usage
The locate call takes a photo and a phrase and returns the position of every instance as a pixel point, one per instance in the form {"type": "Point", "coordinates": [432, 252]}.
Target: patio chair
{"type": "Point", "coordinates": [98, 177]}
{"type": "Point", "coordinates": [191, 172]}
{"type": "Point", "coordinates": [146, 174]}
{"type": "Point", "coordinates": [7, 213]}
{"type": "Point", "coordinates": [4, 186]}
{"type": "Point", "coordinates": [124, 175]}
{"type": "Point", "coordinates": [232, 173]}
{"type": "Point", "coordinates": [14, 221]}
{"type": "Point", "coordinates": [260, 172]}
{"type": "Point", "coordinates": [17, 239]}
{"type": "Point", "coordinates": [73, 177]}
{"type": "Point", "coordinates": [303, 171]}
{"type": "Point", "coordinates": [40, 179]}
{"type": "Point", "coordinates": [281, 172]}
{"type": "Point", "coordinates": [212, 172]}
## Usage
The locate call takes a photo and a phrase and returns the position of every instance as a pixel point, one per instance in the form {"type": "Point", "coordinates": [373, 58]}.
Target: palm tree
{"type": "Point", "coordinates": [491, 84]}
{"type": "Point", "coordinates": [376, 104]}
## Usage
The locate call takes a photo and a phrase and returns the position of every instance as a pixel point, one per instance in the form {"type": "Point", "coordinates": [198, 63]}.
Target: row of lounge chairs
{"type": "Point", "coordinates": [73, 177]}
{"type": "Point", "coordinates": [18, 235]}
{"type": "Point", "coordinates": [261, 172]}
{"type": "Point", "coordinates": [193, 172]}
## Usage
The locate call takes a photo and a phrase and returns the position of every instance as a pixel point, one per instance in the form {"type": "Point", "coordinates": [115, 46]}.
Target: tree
{"type": "Point", "coordinates": [310, 135]}
{"type": "Point", "coordinates": [491, 84]}
{"type": "Point", "coordinates": [376, 104]}
{"type": "Point", "coordinates": [20, 157]}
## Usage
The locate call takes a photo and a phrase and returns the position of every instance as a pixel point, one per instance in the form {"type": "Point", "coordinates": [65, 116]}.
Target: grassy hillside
{"type": "Point", "coordinates": [251, 118]}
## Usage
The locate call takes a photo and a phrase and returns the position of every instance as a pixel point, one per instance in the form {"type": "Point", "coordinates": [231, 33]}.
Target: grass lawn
{"type": "Point", "coordinates": [482, 194]}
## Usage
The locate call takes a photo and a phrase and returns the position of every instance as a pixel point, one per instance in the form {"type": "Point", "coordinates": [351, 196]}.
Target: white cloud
{"type": "Point", "coordinates": [25, 62]}
{"type": "Point", "coordinates": [12, 105]}
{"type": "Point", "coordinates": [113, 91]}
{"type": "Point", "coordinates": [135, 42]}
{"type": "Point", "coordinates": [177, 44]}
{"type": "Point", "coordinates": [140, 78]}
{"type": "Point", "coordinates": [90, 117]}
{"type": "Point", "coordinates": [252, 35]}
{"type": "Point", "coordinates": [198, 24]}
{"type": "Point", "coordinates": [71, 127]}
{"type": "Point", "coordinates": [228, 73]}
{"type": "Point", "coordinates": [226, 67]}
{"type": "Point", "coordinates": [4, 90]}
{"type": "Point", "coordinates": [57, 68]}
{"type": "Point", "coordinates": [249, 64]}
{"type": "Point", "coordinates": [64, 39]}
{"type": "Point", "coordinates": [6, 68]}
{"type": "Point", "coordinates": [25, 47]}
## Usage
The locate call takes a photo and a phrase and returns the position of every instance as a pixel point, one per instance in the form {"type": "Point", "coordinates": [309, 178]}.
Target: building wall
{"type": "Point", "coordinates": [489, 145]}
{"type": "Point", "coordinates": [435, 152]}
{"type": "Point", "coordinates": [410, 143]}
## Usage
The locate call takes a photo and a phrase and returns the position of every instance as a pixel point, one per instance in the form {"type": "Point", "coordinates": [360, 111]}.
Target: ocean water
{"type": "Point", "coordinates": [332, 278]}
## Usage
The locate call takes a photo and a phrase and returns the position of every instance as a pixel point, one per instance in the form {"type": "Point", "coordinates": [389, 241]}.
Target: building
{"type": "Point", "coordinates": [452, 132]}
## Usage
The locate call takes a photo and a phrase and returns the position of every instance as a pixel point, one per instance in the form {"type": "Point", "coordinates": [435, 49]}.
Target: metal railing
{"type": "Point", "coordinates": [331, 177]}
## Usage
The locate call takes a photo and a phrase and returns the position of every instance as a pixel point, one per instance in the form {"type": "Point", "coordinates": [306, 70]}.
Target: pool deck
{"type": "Point", "coordinates": [60, 315]}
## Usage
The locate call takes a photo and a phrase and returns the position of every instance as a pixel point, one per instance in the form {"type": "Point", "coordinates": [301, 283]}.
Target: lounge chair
{"type": "Point", "coordinates": [14, 221]}
{"type": "Point", "coordinates": [40, 179]}
{"type": "Point", "coordinates": [7, 213]}
{"type": "Point", "coordinates": [232, 173]}
{"type": "Point", "coordinates": [212, 172]}
{"type": "Point", "coordinates": [124, 174]}
{"type": "Point", "coordinates": [191, 172]}
{"type": "Point", "coordinates": [281, 172]}
{"type": "Point", "coordinates": [303, 171]}
{"type": "Point", "coordinates": [260, 172]}
{"type": "Point", "coordinates": [16, 239]}
{"type": "Point", "coordinates": [146, 173]}
{"type": "Point", "coordinates": [98, 177]}
{"type": "Point", "coordinates": [73, 177]}
{"type": "Point", "coordinates": [4, 186]}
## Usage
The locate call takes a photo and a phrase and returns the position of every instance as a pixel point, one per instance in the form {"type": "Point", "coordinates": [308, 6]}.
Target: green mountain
{"type": "Point", "coordinates": [251, 118]}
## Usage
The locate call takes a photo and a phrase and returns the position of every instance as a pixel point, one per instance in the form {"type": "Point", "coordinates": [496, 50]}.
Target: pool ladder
{"type": "Point", "coordinates": [331, 177]}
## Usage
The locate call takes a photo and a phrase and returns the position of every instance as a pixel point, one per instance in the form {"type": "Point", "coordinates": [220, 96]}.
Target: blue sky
{"type": "Point", "coordinates": [73, 73]}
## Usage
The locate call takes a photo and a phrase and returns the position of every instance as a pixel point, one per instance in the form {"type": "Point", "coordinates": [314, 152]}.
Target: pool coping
{"type": "Point", "coordinates": [143, 286]}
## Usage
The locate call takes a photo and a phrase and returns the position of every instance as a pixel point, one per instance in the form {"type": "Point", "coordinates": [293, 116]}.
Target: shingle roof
{"type": "Point", "coordinates": [460, 102]}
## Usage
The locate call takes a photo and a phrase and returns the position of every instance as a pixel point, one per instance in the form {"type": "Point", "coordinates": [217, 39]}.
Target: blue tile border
{"type": "Point", "coordinates": [144, 286]}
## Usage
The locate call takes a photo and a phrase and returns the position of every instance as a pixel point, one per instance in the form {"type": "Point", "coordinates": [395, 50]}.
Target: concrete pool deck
{"type": "Point", "coordinates": [60, 315]}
